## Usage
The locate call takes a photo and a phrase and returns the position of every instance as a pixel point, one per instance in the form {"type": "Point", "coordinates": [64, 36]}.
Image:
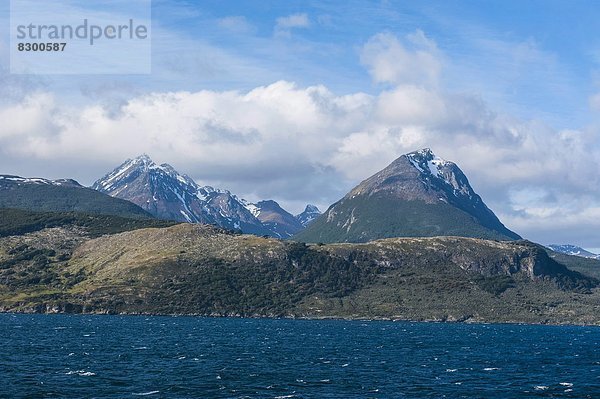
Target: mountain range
{"type": "Point", "coordinates": [167, 194]}
{"type": "Point", "coordinates": [417, 195]}
{"type": "Point", "coordinates": [69, 248]}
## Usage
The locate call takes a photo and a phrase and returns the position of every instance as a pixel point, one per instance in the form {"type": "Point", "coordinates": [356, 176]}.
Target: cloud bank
{"type": "Point", "coordinates": [308, 144]}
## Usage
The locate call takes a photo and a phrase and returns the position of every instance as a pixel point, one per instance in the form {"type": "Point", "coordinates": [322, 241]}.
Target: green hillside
{"type": "Point", "coordinates": [19, 221]}
{"type": "Point", "coordinates": [203, 270]}
{"type": "Point", "coordinates": [57, 198]}
{"type": "Point", "coordinates": [366, 218]}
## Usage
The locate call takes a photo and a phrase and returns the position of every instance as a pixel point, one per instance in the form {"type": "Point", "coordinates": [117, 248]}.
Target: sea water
{"type": "Point", "coordinates": [82, 356]}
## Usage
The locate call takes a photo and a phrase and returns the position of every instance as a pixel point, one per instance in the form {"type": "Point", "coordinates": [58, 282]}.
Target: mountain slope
{"type": "Point", "coordinates": [203, 270]}
{"type": "Point", "coordinates": [280, 222]}
{"type": "Point", "coordinates": [166, 194]}
{"type": "Point", "coordinates": [417, 195]}
{"type": "Point", "coordinates": [18, 222]}
{"type": "Point", "coordinates": [44, 195]}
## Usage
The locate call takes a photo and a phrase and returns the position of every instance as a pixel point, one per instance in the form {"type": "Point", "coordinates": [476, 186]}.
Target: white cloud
{"type": "Point", "coordinates": [284, 25]}
{"type": "Point", "coordinates": [413, 60]}
{"type": "Point", "coordinates": [307, 144]}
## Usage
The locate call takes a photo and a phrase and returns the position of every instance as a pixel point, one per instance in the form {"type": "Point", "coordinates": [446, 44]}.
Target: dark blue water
{"type": "Point", "coordinates": [186, 357]}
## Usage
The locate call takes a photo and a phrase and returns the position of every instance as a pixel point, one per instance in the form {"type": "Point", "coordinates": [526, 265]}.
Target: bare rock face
{"type": "Point", "coordinates": [417, 195]}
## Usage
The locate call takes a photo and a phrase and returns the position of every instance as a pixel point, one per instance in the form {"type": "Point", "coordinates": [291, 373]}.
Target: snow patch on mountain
{"type": "Point", "coordinates": [573, 250]}
{"type": "Point", "coordinates": [38, 180]}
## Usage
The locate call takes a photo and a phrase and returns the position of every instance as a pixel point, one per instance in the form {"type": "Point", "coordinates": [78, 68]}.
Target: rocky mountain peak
{"type": "Point", "coordinates": [312, 208]}
{"type": "Point", "coordinates": [427, 162]}
{"type": "Point", "coordinates": [418, 194]}
{"type": "Point", "coordinates": [310, 213]}
{"type": "Point", "coordinates": [420, 175]}
{"type": "Point", "coordinates": [144, 158]}
{"type": "Point", "coordinates": [168, 194]}
{"type": "Point", "coordinates": [279, 221]}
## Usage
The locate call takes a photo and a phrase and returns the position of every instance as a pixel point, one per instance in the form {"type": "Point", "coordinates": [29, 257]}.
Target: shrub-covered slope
{"type": "Point", "coordinates": [198, 269]}
{"type": "Point", "coordinates": [62, 196]}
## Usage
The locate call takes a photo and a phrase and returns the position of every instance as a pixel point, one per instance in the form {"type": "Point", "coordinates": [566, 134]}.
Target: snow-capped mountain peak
{"type": "Point", "coordinates": [573, 250]}
{"type": "Point", "coordinates": [168, 194]}
{"type": "Point", "coordinates": [426, 162]}
{"type": "Point", "coordinates": [280, 222]}
{"type": "Point", "coordinates": [417, 194]}
{"type": "Point", "coordinates": [435, 169]}
{"type": "Point", "coordinates": [310, 213]}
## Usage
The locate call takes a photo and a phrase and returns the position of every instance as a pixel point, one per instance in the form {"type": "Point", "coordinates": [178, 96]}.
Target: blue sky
{"type": "Point", "coordinates": [300, 100]}
{"type": "Point", "coordinates": [536, 59]}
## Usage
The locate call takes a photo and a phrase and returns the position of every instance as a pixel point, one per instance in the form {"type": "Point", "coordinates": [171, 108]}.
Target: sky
{"type": "Point", "coordinates": [298, 101]}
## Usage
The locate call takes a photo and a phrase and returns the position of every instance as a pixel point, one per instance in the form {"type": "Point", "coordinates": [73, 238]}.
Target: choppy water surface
{"type": "Point", "coordinates": [187, 357]}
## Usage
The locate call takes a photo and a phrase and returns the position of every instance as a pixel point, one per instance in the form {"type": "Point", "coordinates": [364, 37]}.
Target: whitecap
{"type": "Point", "coordinates": [566, 384]}
{"type": "Point", "coordinates": [540, 387]}
{"type": "Point", "coordinates": [82, 373]}
{"type": "Point", "coordinates": [145, 393]}
{"type": "Point", "coordinates": [345, 365]}
{"type": "Point", "coordinates": [491, 368]}
{"type": "Point", "coordinates": [451, 370]}
{"type": "Point", "coordinates": [284, 396]}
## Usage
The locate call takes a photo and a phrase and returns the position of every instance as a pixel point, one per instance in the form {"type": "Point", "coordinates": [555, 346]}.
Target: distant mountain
{"type": "Point", "coordinates": [166, 194]}
{"type": "Point", "coordinates": [417, 195]}
{"type": "Point", "coordinates": [280, 222]}
{"type": "Point", "coordinates": [573, 250]}
{"type": "Point", "coordinates": [310, 213]}
{"type": "Point", "coordinates": [64, 195]}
